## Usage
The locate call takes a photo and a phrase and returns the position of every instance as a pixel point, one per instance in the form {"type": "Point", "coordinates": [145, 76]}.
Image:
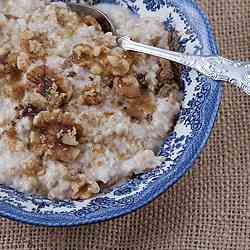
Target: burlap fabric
{"type": "Point", "coordinates": [210, 207]}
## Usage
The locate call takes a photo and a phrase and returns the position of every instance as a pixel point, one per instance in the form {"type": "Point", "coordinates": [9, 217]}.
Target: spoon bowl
{"type": "Point", "coordinates": [101, 17]}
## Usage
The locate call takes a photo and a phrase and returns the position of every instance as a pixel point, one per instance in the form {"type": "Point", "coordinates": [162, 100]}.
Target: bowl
{"type": "Point", "coordinates": [195, 121]}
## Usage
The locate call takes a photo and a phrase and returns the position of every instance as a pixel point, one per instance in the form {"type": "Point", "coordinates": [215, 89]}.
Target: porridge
{"type": "Point", "coordinates": [77, 113]}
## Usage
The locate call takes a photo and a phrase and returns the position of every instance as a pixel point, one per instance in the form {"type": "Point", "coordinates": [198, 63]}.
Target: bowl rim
{"type": "Point", "coordinates": [18, 215]}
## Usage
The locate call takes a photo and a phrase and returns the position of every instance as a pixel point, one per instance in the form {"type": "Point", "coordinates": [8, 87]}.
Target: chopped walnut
{"type": "Point", "coordinates": [56, 135]}
{"type": "Point", "coordinates": [96, 69]}
{"type": "Point", "coordinates": [91, 95]}
{"type": "Point", "coordinates": [33, 168]}
{"type": "Point", "coordinates": [12, 139]}
{"type": "Point", "coordinates": [36, 74]}
{"type": "Point", "coordinates": [127, 86]}
{"type": "Point", "coordinates": [86, 56]}
{"type": "Point", "coordinates": [50, 85]}
{"type": "Point", "coordinates": [66, 18]}
{"type": "Point", "coordinates": [35, 44]}
{"type": "Point", "coordinates": [108, 40]}
{"type": "Point", "coordinates": [102, 59]}
{"type": "Point", "coordinates": [81, 50]}
{"type": "Point", "coordinates": [166, 71]}
{"type": "Point", "coordinates": [171, 89]}
{"type": "Point", "coordinates": [155, 41]}
{"type": "Point", "coordinates": [82, 54]}
{"type": "Point", "coordinates": [3, 51]}
{"type": "Point", "coordinates": [23, 62]}
{"type": "Point", "coordinates": [141, 107]}
{"type": "Point", "coordinates": [83, 189]}
{"type": "Point", "coordinates": [97, 50]}
{"type": "Point", "coordinates": [117, 65]}
{"type": "Point", "coordinates": [91, 21]}
{"type": "Point", "coordinates": [15, 91]}
{"type": "Point", "coordinates": [11, 133]}
{"type": "Point", "coordinates": [69, 138]}
{"type": "Point", "coordinates": [8, 63]}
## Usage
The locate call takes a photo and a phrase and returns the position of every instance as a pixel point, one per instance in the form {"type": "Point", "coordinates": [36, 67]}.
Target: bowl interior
{"type": "Point", "coordinates": [181, 147]}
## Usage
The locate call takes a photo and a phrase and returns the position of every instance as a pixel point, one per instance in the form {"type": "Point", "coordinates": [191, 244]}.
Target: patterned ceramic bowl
{"type": "Point", "coordinates": [182, 146]}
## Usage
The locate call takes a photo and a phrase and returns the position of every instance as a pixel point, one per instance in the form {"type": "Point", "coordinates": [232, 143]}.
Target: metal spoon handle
{"type": "Point", "coordinates": [215, 67]}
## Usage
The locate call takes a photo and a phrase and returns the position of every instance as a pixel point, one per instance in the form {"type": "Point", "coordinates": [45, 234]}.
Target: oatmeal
{"type": "Point", "coordinates": [78, 113]}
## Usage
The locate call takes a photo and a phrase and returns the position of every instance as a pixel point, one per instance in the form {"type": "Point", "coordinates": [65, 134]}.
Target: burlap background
{"type": "Point", "coordinates": [210, 207]}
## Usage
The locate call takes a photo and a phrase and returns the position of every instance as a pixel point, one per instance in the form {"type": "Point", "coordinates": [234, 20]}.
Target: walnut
{"type": "Point", "coordinates": [117, 65]}
{"type": "Point", "coordinates": [155, 41]}
{"type": "Point", "coordinates": [34, 43]}
{"type": "Point", "coordinates": [168, 88]}
{"type": "Point", "coordinates": [127, 86]}
{"type": "Point", "coordinates": [36, 74]}
{"type": "Point", "coordinates": [91, 95]}
{"type": "Point", "coordinates": [56, 136]}
{"type": "Point", "coordinates": [11, 132]}
{"type": "Point", "coordinates": [119, 62]}
{"type": "Point", "coordinates": [3, 51]}
{"type": "Point", "coordinates": [66, 18]}
{"type": "Point", "coordinates": [8, 63]}
{"type": "Point", "coordinates": [97, 50]}
{"type": "Point", "coordinates": [141, 107]}
{"type": "Point", "coordinates": [171, 90]}
{"type": "Point", "coordinates": [166, 71]}
{"type": "Point", "coordinates": [108, 40]}
{"type": "Point", "coordinates": [11, 136]}
{"type": "Point", "coordinates": [82, 55]}
{"type": "Point", "coordinates": [69, 138]}
{"type": "Point", "coordinates": [83, 189]}
{"type": "Point", "coordinates": [94, 58]}
{"type": "Point", "coordinates": [102, 59]}
{"type": "Point", "coordinates": [96, 69]}
{"type": "Point", "coordinates": [33, 168]}
{"type": "Point", "coordinates": [91, 21]}
{"type": "Point", "coordinates": [23, 62]}
{"type": "Point", "coordinates": [15, 91]}
{"type": "Point", "coordinates": [50, 85]}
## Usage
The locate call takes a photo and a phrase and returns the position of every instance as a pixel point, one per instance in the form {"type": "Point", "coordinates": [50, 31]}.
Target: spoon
{"type": "Point", "coordinates": [214, 67]}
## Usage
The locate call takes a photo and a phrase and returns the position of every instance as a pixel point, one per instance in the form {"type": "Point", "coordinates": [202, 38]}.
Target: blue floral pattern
{"type": "Point", "coordinates": [199, 108]}
{"type": "Point", "coordinates": [169, 23]}
{"type": "Point", "coordinates": [154, 5]}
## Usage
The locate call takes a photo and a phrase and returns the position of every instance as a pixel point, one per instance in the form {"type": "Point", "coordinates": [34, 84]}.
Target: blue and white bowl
{"type": "Point", "coordinates": [182, 146]}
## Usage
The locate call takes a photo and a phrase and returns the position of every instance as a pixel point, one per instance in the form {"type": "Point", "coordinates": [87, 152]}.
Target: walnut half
{"type": "Point", "coordinates": [91, 95]}
{"type": "Point", "coordinates": [50, 85]}
{"type": "Point", "coordinates": [83, 189]}
{"type": "Point", "coordinates": [56, 136]}
{"type": "Point", "coordinates": [8, 63]}
{"type": "Point", "coordinates": [34, 44]}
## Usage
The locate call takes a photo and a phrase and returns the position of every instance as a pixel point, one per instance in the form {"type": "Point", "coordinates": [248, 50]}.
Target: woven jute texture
{"type": "Point", "coordinates": [210, 207]}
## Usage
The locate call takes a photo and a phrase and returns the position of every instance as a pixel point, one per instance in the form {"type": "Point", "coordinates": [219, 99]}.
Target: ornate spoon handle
{"type": "Point", "coordinates": [215, 67]}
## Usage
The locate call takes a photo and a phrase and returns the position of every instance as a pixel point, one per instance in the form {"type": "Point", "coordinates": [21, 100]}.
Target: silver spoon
{"type": "Point", "coordinates": [215, 67]}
